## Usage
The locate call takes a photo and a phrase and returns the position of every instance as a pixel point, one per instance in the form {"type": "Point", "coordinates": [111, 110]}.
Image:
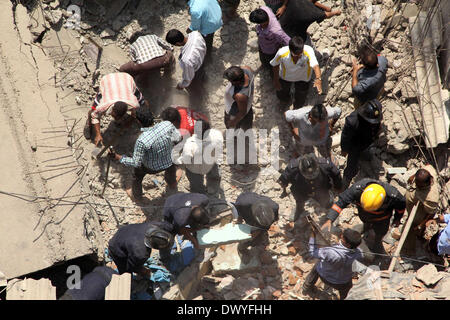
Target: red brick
{"type": "Point", "coordinates": [276, 293]}
{"type": "Point", "coordinates": [292, 279]}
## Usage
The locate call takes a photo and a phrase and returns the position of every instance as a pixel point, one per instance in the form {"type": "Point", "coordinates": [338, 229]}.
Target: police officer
{"type": "Point", "coordinates": [361, 129]}
{"type": "Point", "coordinates": [376, 202]}
{"type": "Point", "coordinates": [187, 213]}
{"type": "Point", "coordinates": [132, 245]}
{"type": "Point", "coordinates": [258, 211]}
{"type": "Point", "coordinates": [311, 177]}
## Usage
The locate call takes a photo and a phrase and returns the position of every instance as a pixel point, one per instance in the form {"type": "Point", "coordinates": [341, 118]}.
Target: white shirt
{"type": "Point", "coordinates": [191, 57]}
{"type": "Point", "coordinates": [293, 72]}
{"type": "Point", "coordinates": [311, 135]}
{"type": "Point", "coordinates": [200, 156]}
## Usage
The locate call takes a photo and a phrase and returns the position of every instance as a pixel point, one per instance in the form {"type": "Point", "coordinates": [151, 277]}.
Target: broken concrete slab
{"type": "Point", "coordinates": [228, 261]}
{"type": "Point", "coordinates": [30, 289]}
{"type": "Point", "coordinates": [228, 234]}
{"type": "Point", "coordinates": [3, 281]}
{"type": "Point", "coordinates": [119, 288]}
{"type": "Point", "coordinates": [396, 170]}
{"type": "Point", "coordinates": [429, 275]}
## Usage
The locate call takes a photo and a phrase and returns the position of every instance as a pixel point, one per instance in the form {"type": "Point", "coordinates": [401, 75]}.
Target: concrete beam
{"type": "Point", "coordinates": [228, 261]}
{"type": "Point", "coordinates": [30, 289]}
{"type": "Point", "coordinates": [119, 287]}
{"type": "Point", "coordinates": [228, 234]}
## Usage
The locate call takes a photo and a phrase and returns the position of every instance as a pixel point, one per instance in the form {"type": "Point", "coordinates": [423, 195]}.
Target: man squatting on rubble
{"type": "Point", "coordinates": [257, 211]}
{"type": "Point", "coordinates": [310, 178]}
{"type": "Point", "coordinates": [423, 188]}
{"type": "Point", "coordinates": [375, 201]}
{"type": "Point", "coordinates": [334, 267]}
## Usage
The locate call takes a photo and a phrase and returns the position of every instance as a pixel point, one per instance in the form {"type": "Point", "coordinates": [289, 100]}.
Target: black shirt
{"type": "Point", "coordinates": [127, 246]}
{"type": "Point", "coordinates": [394, 201]}
{"type": "Point", "coordinates": [244, 203]}
{"type": "Point", "coordinates": [177, 208]}
{"type": "Point", "coordinates": [92, 286]}
{"type": "Point", "coordinates": [299, 15]}
{"type": "Point", "coordinates": [358, 134]}
{"type": "Point", "coordinates": [329, 176]}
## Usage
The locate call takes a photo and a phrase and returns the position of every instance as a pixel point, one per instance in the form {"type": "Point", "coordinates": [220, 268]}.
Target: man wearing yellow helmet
{"type": "Point", "coordinates": [376, 202]}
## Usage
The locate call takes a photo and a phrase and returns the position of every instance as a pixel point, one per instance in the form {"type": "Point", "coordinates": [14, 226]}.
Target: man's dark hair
{"type": "Point", "coordinates": [352, 237]}
{"type": "Point", "coordinates": [296, 44]}
{"type": "Point", "coordinates": [120, 108]}
{"type": "Point", "coordinates": [432, 245]}
{"type": "Point", "coordinates": [234, 73]}
{"type": "Point", "coordinates": [171, 114]}
{"type": "Point", "coordinates": [199, 217]}
{"type": "Point", "coordinates": [368, 57]}
{"type": "Point", "coordinates": [136, 35]}
{"type": "Point", "coordinates": [319, 112]}
{"type": "Point", "coordinates": [259, 16]}
{"type": "Point", "coordinates": [174, 36]}
{"type": "Point", "coordinates": [423, 177]}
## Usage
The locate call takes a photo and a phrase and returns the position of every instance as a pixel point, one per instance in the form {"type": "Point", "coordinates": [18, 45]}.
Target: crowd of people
{"type": "Point", "coordinates": [286, 50]}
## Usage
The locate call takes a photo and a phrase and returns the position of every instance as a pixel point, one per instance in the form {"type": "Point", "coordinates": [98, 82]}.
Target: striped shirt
{"type": "Point", "coordinates": [293, 72]}
{"type": "Point", "coordinates": [114, 87]}
{"type": "Point", "coordinates": [148, 47]}
{"type": "Point", "coordinates": [153, 148]}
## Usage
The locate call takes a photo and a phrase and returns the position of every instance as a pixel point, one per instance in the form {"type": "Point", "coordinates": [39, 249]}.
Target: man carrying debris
{"type": "Point", "coordinates": [440, 242]}
{"type": "Point", "coordinates": [258, 211]}
{"type": "Point", "coordinates": [192, 55]}
{"type": "Point", "coordinates": [187, 213]}
{"type": "Point", "coordinates": [296, 61]}
{"type": "Point", "coordinates": [118, 94]}
{"type": "Point", "coordinates": [376, 202]}
{"type": "Point", "coordinates": [362, 127]}
{"type": "Point", "coordinates": [334, 267]}
{"type": "Point", "coordinates": [199, 158]}
{"type": "Point", "coordinates": [300, 14]}
{"type": "Point", "coordinates": [311, 127]}
{"type": "Point", "coordinates": [239, 97]}
{"type": "Point", "coordinates": [206, 17]}
{"type": "Point", "coordinates": [369, 77]}
{"type": "Point", "coordinates": [423, 187]}
{"type": "Point", "coordinates": [132, 244]}
{"type": "Point", "coordinates": [92, 286]}
{"type": "Point", "coordinates": [152, 154]}
{"type": "Point", "coordinates": [310, 178]}
{"type": "Point", "coordinates": [187, 118]}
{"type": "Point", "coordinates": [270, 35]}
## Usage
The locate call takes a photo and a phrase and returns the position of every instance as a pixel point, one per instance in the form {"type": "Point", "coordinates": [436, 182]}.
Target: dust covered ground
{"type": "Point", "coordinates": [284, 260]}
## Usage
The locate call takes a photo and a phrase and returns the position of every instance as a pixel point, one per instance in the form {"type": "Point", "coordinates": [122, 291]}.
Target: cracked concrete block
{"type": "Point", "coordinates": [228, 261]}
{"type": "Point", "coordinates": [228, 234]}
{"type": "Point", "coordinates": [30, 289]}
{"type": "Point", "coordinates": [119, 288]}
{"type": "Point", "coordinates": [429, 275]}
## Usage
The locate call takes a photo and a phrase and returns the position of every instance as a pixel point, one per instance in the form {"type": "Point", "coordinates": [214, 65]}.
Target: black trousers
{"type": "Point", "coordinates": [139, 174]}
{"type": "Point", "coordinates": [265, 60]}
{"type": "Point", "coordinates": [301, 90]}
{"type": "Point", "coordinates": [209, 38]}
{"type": "Point", "coordinates": [352, 167]}
{"type": "Point", "coordinates": [322, 197]}
{"type": "Point", "coordinates": [313, 276]}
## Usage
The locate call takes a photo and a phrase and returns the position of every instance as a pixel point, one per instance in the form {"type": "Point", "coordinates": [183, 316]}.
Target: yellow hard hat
{"type": "Point", "coordinates": [372, 197]}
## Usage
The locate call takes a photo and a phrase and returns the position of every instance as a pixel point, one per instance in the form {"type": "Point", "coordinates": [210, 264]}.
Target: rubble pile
{"type": "Point", "coordinates": [278, 268]}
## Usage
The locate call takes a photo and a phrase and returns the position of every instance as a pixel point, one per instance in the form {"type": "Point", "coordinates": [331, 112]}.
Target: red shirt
{"type": "Point", "coordinates": [188, 118]}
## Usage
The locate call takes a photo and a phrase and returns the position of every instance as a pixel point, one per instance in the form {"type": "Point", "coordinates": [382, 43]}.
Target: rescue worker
{"type": "Point", "coordinates": [311, 177]}
{"type": "Point", "coordinates": [258, 211]}
{"type": "Point", "coordinates": [362, 127]}
{"type": "Point", "coordinates": [376, 202]}
{"type": "Point", "coordinates": [132, 245]}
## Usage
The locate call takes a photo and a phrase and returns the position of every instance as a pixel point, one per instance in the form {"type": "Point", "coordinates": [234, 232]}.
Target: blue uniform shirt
{"type": "Point", "coordinates": [206, 16]}
{"type": "Point", "coordinates": [444, 238]}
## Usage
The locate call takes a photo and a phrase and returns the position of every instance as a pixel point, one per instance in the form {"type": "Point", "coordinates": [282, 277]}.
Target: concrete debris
{"type": "Point", "coordinates": [429, 275]}
{"type": "Point", "coordinates": [30, 289]}
{"type": "Point", "coordinates": [228, 261]}
{"type": "Point", "coordinates": [119, 288]}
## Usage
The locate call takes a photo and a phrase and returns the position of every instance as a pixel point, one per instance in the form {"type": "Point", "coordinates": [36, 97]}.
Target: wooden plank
{"type": "Point", "coordinates": [119, 287]}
